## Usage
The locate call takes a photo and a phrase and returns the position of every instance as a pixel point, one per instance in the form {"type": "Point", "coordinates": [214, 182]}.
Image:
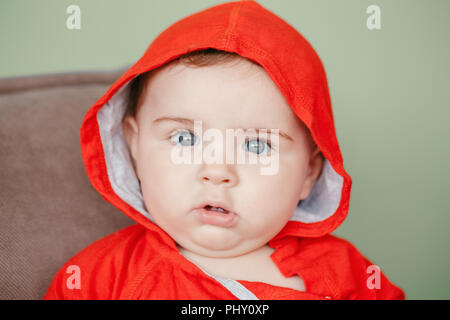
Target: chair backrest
{"type": "Point", "coordinates": [48, 209]}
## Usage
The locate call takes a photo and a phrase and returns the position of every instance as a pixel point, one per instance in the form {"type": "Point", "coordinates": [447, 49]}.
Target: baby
{"type": "Point", "coordinates": [161, 145]}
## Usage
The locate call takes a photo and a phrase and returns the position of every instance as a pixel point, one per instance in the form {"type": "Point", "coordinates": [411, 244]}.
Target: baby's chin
{"type": "Point", "coordinates": [212, 238]}
{"type": "Point", "coordinates": [211, 242]}
{"type": "Point", "coordinates": [214, 246]}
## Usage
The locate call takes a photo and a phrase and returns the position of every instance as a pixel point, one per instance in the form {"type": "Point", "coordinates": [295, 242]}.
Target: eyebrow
{"type": "Point", "coordinates": [191, 122]}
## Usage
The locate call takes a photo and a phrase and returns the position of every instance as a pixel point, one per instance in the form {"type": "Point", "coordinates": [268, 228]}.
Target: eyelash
{"type": "Point", "coordinates": [173, 133]}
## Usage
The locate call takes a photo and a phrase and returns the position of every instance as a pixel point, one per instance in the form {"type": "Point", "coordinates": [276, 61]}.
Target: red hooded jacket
{"type": "Point", "coordinates": [142, 261]}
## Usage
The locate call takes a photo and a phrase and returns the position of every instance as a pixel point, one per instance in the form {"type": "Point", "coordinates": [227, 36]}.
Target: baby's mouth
{"type": "Point", "coordinates": [215, 215]}
{"type": "Point", "coordinates": [218, 209]}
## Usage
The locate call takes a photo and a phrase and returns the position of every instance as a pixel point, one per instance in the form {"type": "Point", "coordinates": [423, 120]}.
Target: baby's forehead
{"type": "Point", "coordinates": [227, 84]}
{"type": "Point", "coordinates": [213, 90]}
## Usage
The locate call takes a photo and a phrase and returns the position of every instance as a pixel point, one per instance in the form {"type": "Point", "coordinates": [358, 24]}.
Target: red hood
{"type": "Point", "coordinates": [246, 28]}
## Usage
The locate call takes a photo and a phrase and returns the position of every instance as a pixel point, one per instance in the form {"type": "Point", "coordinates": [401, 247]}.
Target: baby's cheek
{"type": "Point", "coordinates": [163, 176]}
{"type": "Point", "coordinates": [273, 196]}
{"type": "Point", "coordinates": [154, 160]}
{"type": "Point", "coordinates": [162, 190]}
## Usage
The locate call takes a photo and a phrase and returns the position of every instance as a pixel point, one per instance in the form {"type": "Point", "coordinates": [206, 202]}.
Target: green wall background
{"type": "Point", "coordinates": [389, 88]}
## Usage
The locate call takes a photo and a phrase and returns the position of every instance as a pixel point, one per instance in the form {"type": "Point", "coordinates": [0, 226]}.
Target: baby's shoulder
{"type": "Point", "coordinates": [331, 248]}
{"type": "Point", "coordinates": [112, 248]}
{"type": "Point", "coordinates": [95, 269]}
{"type": "Point", "coordinates": [347, 269]}
{"type": "Point", "coordinates": [328, 242]}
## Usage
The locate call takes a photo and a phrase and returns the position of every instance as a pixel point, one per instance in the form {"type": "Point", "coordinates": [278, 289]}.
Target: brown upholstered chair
{"type": "Point", "coordinates": [48, 209]}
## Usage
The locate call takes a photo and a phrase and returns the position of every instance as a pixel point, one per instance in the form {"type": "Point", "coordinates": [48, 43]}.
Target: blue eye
{"type": "Point", "coordinates": [184, 137]}
{"type": "Point", "coordinates": [257, 146]}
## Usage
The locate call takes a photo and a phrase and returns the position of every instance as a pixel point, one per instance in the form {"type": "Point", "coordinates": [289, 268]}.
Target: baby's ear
{"type": "Point", "coordinates": [316, 162]}
{"type": "Point", "coordinates": [131, 133]}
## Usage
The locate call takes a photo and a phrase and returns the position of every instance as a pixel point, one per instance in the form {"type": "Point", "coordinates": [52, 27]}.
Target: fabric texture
{"type": "Point", "coordinates": [142, 261]}
{"type": "Point", "coordinates": [138, 263]}
{"type": "Point", "coordinates": [48, 209]}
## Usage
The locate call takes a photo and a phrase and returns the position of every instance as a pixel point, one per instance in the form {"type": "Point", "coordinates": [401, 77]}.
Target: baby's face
{"type": "Point", "coordinates": [221, 97]}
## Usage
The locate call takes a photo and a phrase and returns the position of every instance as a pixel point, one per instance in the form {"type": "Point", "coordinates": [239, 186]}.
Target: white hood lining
{"type": "Point", "coordinates": [322, 202]}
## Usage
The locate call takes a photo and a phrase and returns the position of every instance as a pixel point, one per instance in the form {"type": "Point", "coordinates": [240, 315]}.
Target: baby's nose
{"type": "Point", "coordinates": [218, 174]}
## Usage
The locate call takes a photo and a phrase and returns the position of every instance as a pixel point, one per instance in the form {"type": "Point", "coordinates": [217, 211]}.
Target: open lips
{"type": "Point", "coordinates": [219, 209]}
{"type": "Point", "coordinates": [215, 213]}
{"type": "Point", "coordinates": [214, 205]}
